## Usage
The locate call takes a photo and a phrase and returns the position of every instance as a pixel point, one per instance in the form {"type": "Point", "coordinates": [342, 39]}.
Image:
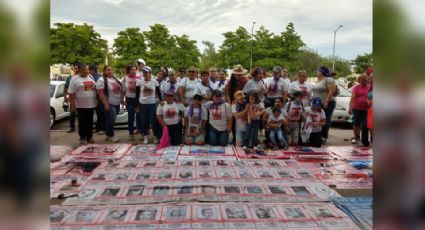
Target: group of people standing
{"type": "Point", "coordinates": [205, 107]}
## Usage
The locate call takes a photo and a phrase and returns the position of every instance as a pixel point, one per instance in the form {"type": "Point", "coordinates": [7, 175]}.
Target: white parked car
{"type": "Point", "coordinates": [57, 105]}
{"type": "Point", "coordinates": [340, 114]}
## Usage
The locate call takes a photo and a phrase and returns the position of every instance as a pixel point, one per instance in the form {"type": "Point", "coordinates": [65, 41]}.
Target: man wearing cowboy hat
{"type": "Point", "coordinates": [236, 83]}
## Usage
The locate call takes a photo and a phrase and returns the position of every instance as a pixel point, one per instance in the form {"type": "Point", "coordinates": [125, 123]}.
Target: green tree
{"type": "Point", "coordinates": [291, 44]}
{"type": "Point", "coordinates": [209, 57]}
{"type": "Point", "coordinates": [128, 46]}
{"type": "Point", "coordinates": [362, 61]}
{"type": "Point", "coordinates": [160, 46]}
{"type": "Point", "coordinates": [70, 43]}
{"type": "Point", "coordinates": [266, 49]}
{"type": "Point", "coordinates": [235, 48]}
{"type": "Point", "coordinates": [185, 53]}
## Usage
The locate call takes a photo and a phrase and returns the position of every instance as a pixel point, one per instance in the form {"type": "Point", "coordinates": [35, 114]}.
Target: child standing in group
{"type": "Point", "coordinates": [240, 111]}
{"type": "Point", "coordinates": [318, 120]}
{"type": "Point", "coordinates": [295, 110]}
{"type": "Point", "coordinates": [274, 123]}
{"type": "Point", "coordinates": [255, 111]}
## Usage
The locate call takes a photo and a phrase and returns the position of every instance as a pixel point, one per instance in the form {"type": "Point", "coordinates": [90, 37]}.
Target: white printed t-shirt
{"type": "Point", "coordinates": [85, 91]}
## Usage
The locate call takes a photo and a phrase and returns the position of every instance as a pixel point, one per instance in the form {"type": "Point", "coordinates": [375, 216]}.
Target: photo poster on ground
{"type": "Point", "coordinates": [201, 215]}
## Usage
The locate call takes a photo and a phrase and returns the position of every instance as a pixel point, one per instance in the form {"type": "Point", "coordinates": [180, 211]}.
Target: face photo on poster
{"type": "Point", "coordinates": [231, 189]}
{"type": "Point", "coordinates": [161, 190]}
{"type": "Point", "coordinates": [245, 174]}
{"type": "Point", "coordinates": [135, 190]}
{"type": "Point", "coordinates": [116, 215]}
{"type": "Point", "coordinates": [130, 165]}
{"type": "Point", "coordinates": [293, 213]}
{"type": "Point", "coordinates": [275, 189]}
{"type": "Point", "coordinates": [254, 190]}
{"type": "Point", "coordinates": [321, 212]}
{"type": "Point", "coordinates": [184, 190]}
{"type": "Point", "coordinates": [274, 163]}
{"type": "Point", "coordinates": [143, 176]}
{"type": "Point", "coordinates": [176, 212]}
{"type": "Point", "coordinates": [205, 174]}
{"type": "Point", "coordinates": [83, 216]}
{"type": "Point", "coordinates": [204, 212]}
{"type": "Point", "coordinates": [208, 189]}
{"type": "Point", "coordinates": [224, 174]}
{"type": "Point", "coordinates": [264, 174]}
{"type": "Point", "coordinates": [222, 163]}
{"type": "Point", "coordinates": [57, 215]}
{"type": "Point", "coordinates": [100, 176]}
{"type": "Point", "coordinates": [236, 212]}
{"type": "Point", "coordinates": [185, 175]}
{"type": "Point", "coordinates": [300, 190]}
{"type": "Point", "coordinates": [239, 163]}
{"type": "Point", "coordinates": [186, 163]}
{"type": "Point", "coordinates": [122, 176]}
{"type": "Point", "coordinates": [304, 174]}
{"type": "Point", "coordinates": [164, 175]}
{"type": "Point", "coordinates": [149, 164]}
{"type": "Point", "coordinates": [110, 192]}
{"type": "Point", "coordinates": [285, 175]}
{"type": "Point", "coordinates": [146, 214]}
{"type": "Point", "coordinates": [263, 213]}
{"type": "Point", "coordinates": [204, 163]}
{"type": "Point", "coordinates": [87, 194]}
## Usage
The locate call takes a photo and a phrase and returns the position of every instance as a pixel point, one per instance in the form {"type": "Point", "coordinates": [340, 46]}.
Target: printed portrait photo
{"type": "Point", "coordinates": [236, 212]}
{"type": "Point", "coordinates": [264, 213]}
{"type": "Point", "coordinates": [204, 163]}
{"type": "Point", "coordinates": [205, 174]}
{"type": "Point", "coordinates": [285, 174]}
{"type": "Point", "coordinates": [146, 214]}
{"type": "Point", "coordinates": [277, 189]}
{"type": "Point", "coordinates": [56, 215]}
{"type": "Point", "coordinates": [174, 213]}
{"type": "Point", "coordinates": [116, 215]}
{"type": "Point", "coordinates": [293, 213]}
{"type": "Point", "coordinates": [208, 189]}
{"type": "Point", "coordinates": [186, 174]}
{"type": "Point", "coordinates": [142, 176]}
{"type": "Point", "coordinates": [111, 192]}
{"type": "Point", "coordinates": [122, 176]}
{"type": "Point", "coordinates": [232, 189]}
{"type": "Point", "coordinates": [254, 190]}
{"type": "Point", "coordinates": [185, 190]}
{"type": "Point", "coordinates": [136, 190]}
{"type": "Point", "coordinates": [206, 213]}
{"type": "Point", "coordinates": [100, 176]}
{"type": "Point", "coordinates": [245, 174]}
{"type": "Point", "coordinates": [87, 194]}
{"type": "Point", "coordinates": [149, 164]}
{"type": "Point", "coordinates": [85, 216]}
{"type": "Point", "coordinates": [165, 175]}
{"type": "Point", "coordinates": [300, 190]}
{"type": "Point", "coordinates": [161, 190]}
{"type": "Point", "coordinates": [265, 174]}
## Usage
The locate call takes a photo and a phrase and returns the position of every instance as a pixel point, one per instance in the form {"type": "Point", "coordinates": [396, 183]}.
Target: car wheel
{"type": "Point", "coordinates": [52, 118]}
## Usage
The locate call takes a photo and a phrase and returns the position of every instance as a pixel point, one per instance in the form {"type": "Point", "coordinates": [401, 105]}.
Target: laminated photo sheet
{"type": "Point", "coordinates": [206, 150]}
{"type": "Point", "coordinates": [59, 151]}
{"type": "Point", "coordinates": [97, 152]}
{"type": "Point", "coordinates": [208, 190]}
{"type": "Point", "coordinates": [326, 169]}
{"type": "Point", "coordinates": [204, 216]}
{"type": "Point", "coordinates": [352, 152]}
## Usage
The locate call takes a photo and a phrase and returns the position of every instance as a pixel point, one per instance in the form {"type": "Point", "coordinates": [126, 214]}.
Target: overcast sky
{"type": "Point", "coordinates": [315, 20]}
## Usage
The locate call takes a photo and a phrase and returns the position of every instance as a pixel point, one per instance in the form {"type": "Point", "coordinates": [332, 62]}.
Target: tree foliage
{"type": "Point", "coordinates": [128, 46]}
{"type": "Point", "coordinates": [209, 57]}
{"type": "Point", "coordinates": [70, 43]}
{"type": "Point", "coordinates": [362, 61]}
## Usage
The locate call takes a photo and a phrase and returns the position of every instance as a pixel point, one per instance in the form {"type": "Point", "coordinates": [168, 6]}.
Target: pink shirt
{"type": "Point", "coordinates": [360, 101]}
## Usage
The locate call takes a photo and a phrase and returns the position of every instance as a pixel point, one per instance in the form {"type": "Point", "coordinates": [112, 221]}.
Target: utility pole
{"type": "Point", "coordinates": [333, 53]}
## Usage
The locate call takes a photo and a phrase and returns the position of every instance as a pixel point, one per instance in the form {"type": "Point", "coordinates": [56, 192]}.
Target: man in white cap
{"type": "Point", "coordinates": [140, 65]}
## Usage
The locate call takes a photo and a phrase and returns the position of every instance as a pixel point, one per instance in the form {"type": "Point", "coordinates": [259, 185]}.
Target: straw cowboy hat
{"type": "Point", "coordinates": [238, 69]}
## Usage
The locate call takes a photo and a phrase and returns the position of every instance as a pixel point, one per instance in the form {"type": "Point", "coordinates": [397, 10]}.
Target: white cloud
{"type": "Point", "coordinates": [201, 20]}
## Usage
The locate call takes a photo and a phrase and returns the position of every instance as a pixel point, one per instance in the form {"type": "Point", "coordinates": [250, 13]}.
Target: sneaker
{"type": "Point", "coordinates": [115, 139]}
{"type": "Point", "coordinates": [255, 148]}
{"type": "Point", "coordinates": [70, 130]}
{"type": "Point", "coordinates": [145, 141]}
{"type": "Point", "coordinates": [91, 141]}
{"type": "Point", "coordinates": [244, 147]}
{"type": "Point", "coordinates": [83, 141]}
{"type": "Point", "coordinates": [155, 140]}
{"type": "Point", "coordinates": [132, 138]}
{"type": "Point", "coordinates": [354, 140]}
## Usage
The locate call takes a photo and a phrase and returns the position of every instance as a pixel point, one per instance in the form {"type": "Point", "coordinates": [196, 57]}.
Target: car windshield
{"type": "Point", "coordinates": [52, 90]}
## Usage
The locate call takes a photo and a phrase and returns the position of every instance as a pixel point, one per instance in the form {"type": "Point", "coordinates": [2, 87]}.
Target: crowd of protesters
{"type": "Point", "coordinates": [208, 107]}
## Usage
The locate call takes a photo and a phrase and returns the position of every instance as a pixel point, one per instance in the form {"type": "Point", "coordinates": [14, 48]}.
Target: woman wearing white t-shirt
{"type": "Point", "coordinates": [169, 114]}
{"type": "Point", "coordinates": [188, 86]}
{"type": "Point", "coordinates": [172, 84]}
{"type": "Point", "coordinates": [220, 120]}
{"type": "Point", "coordinates": [82, 92]}
{"type": "Point", "coordinates": [195, 120]}
{"type": "Point", "coordinates": [222, 81]}
{"type": "Point", "coordinates": [129, 89]}
{"type": "Point", "coordinates": [147, 88]}
{"type": "Point", "coordinates": [110, 94]}
{"type": "Point", "coordinates": [302, 86]}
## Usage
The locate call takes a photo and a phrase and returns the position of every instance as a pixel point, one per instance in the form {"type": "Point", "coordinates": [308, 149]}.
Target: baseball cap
{"type": "Point", "coordinates": [316, 102]}
{"type": "Point", "coordinates": [141, 61]}
{"type": "Point", "coordinates": [147, 69]}
{"type": "Point", "coordinates": [277, 69]}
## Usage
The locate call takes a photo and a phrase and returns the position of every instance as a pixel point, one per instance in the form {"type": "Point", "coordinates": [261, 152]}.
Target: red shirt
{"type": "Point", "coordinates": [360, 100]}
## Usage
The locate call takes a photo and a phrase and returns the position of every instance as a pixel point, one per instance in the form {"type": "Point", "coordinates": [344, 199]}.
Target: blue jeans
{"type": "Point", "coordinates": [216, 137]}
{"type": "Point", "coordinates": [148, 117]}
{"type": "Point", "coordinates": [111, 116]}
{"type": "Point", "coordinates": [328, 112]}
{"type": "Point", "coordinates": [277, 132]}
{"type": "Point", "coordinates": [251, 134]}
{"type": "Point", "coordinates": [131, 106]}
